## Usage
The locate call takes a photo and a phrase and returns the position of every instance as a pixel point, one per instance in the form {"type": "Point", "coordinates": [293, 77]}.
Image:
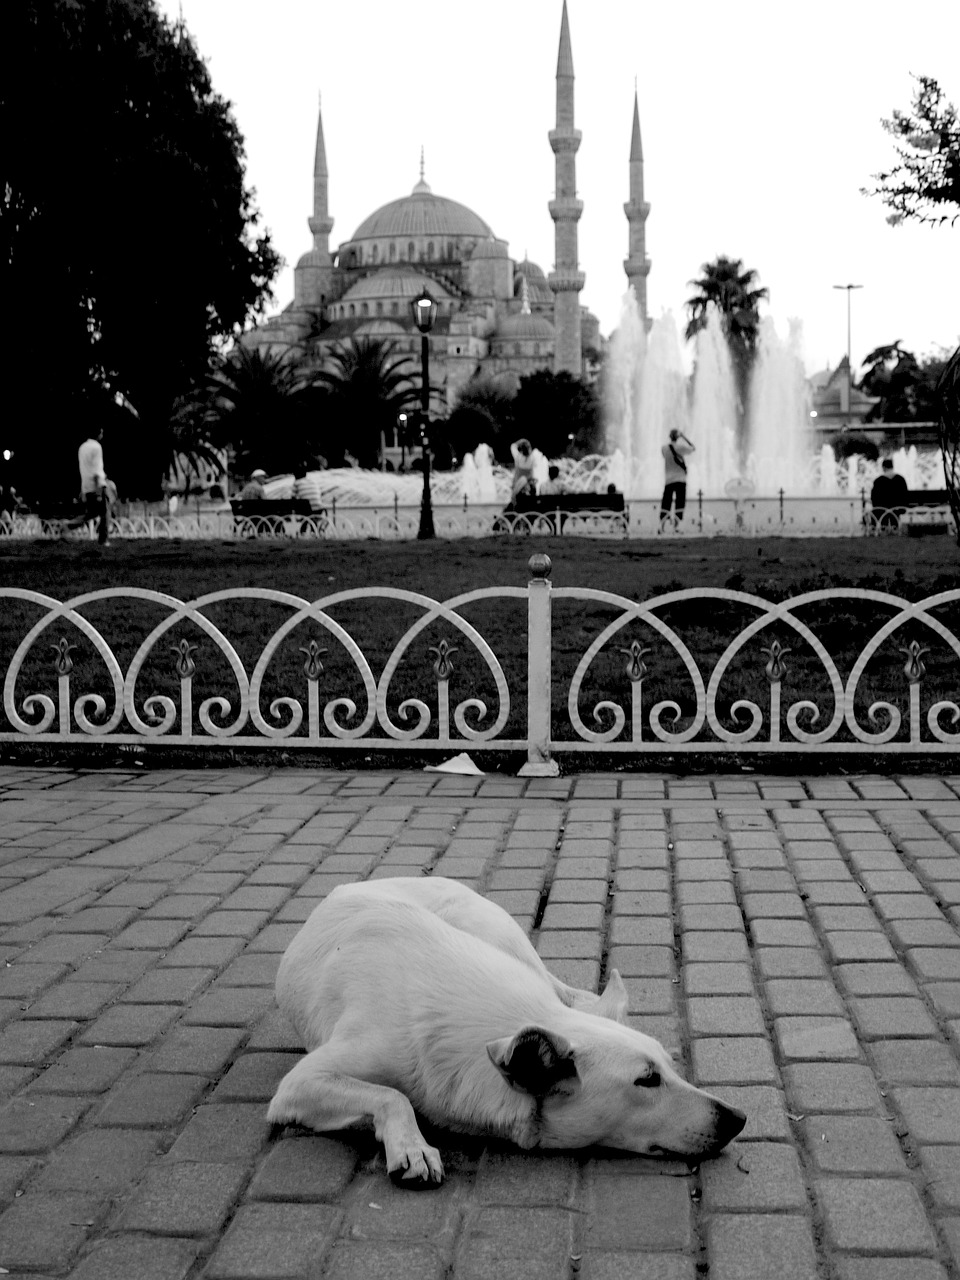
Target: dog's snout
{"type": "Point", "coordinates": [730, 1120]}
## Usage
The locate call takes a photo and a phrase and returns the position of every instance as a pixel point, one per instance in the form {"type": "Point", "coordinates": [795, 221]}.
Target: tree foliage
{"type": "Point", "coordinates": [266, 407]}
{"type": "Point", "coordinates": [924, 184]}
{"type": "Point", "coordinates": [558, 413]}
{"type": "Point", "coordinates": [734, 291]}
{"type": "Point", "coordinates": [129, 237]}
{"type": "Point", "coordinates": [370, 383]}
{"type": "Point", "coordinates": [906, 385]}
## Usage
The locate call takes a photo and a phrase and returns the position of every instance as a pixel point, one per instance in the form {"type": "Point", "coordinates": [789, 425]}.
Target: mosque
{"type": "Point", "coordinates": [497, 317]}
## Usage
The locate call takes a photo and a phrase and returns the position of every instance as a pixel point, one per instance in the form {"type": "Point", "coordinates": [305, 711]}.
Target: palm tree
{"type": "Point", "coordinates": [266, 405]}
{"type": "Point", "coordinates": [734, 292]}
{"type": "Point", "coordinates": [369, 383]}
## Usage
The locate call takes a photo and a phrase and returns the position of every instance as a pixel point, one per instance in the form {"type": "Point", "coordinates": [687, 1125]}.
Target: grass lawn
{"type": "Point", "coordinates": [772, 568]}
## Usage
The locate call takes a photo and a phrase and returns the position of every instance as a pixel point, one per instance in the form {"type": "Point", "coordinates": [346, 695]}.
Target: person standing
{"type": "Point", "coordinates": [93, 485]}
{"type": "Point", "coordinates": [675, 453]}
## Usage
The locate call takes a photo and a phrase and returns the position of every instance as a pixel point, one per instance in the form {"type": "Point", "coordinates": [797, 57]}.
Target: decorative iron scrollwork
{"type": "Point", "coordinates": [443, 666]}
{"type": "Point", "coordinates": [635, 667]}
{"type": "Point", "coordinates": [185, 665]}
{"type": "Point", "coordinates": [63, 662]}
{"type": "Point", "coordinates": [914, 667]}
{"type": "Point", "coordinates": [313, 666]}
{"type": "Point", "coordinates": [776, 668]}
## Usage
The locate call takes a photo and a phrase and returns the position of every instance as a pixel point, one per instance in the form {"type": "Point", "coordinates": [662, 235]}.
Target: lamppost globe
{"type": "Point", "coordinates": [425, 309]}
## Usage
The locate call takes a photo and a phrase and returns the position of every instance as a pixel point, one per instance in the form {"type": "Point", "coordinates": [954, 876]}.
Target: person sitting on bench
{"type": "Point", "coordinates": [888, 498]}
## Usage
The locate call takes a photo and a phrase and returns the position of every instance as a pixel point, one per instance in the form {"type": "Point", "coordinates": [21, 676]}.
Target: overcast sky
{"type": "Point", "coordinates": [760, 122]}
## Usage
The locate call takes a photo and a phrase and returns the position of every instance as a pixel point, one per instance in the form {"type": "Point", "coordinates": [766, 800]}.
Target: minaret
{"type": "Point", "coordinates": [637, 265]}
{"type": "Point", "coordinates": [312, 273]}
{"type": "Point", "coordinates": [566, 280]}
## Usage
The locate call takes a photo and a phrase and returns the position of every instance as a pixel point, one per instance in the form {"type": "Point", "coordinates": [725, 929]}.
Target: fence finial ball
{"type": "Point", "coordinates": [539, 566]}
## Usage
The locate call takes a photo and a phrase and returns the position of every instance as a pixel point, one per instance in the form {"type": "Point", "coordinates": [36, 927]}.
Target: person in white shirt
{"type": "Point", "coordinates": [675, 453]}
{"type": "Point", "coordinates": [93, 485]}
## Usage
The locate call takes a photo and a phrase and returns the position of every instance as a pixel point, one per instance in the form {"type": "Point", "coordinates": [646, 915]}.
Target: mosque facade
{"type": "Point", "coordinates": [497, 317]}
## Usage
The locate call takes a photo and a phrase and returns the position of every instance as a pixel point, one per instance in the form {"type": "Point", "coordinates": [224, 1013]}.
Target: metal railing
{"type": "Point", "coordinates": [580, 670]}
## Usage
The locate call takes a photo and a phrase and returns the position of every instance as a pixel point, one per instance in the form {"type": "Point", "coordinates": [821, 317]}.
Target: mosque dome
{"type": "Point", "coordinates": [525, 327]}
{"type": "Point", "coordinates": [490, 248]}
{"type": "Point", "coordinates": [537, 288]}
{"type": "Point", "coordinates": [314, 258]}
{"type": "Point", "coordinates": [381, 329]}
{"type": "Point", "coordinates": [393, 283]}
{"type": "Point", "coordinates": [422, 214]}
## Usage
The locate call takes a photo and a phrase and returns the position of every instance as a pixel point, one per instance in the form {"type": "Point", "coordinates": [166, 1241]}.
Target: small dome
{"type": "Point", "coordinates": [530, 270]}
{"type": "Point", "coordinates": [527, 327]}
{"type": "Point", "coordinates": [381, 328]}
{"type": "Point", "coordinates": [393, 284]}
{"type": "Point", "coordinates": [491, 248]}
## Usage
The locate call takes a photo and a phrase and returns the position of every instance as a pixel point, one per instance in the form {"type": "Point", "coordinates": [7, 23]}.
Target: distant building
{"type": "Point", "coordinates": [497, 316]}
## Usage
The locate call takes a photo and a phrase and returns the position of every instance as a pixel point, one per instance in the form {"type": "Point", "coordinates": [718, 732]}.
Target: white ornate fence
{"type": "Point", "coordinates": [692, 671]}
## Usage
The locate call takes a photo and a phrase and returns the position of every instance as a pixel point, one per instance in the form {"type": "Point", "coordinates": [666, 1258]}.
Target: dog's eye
{"type": "Point", "coordinates": [650, 1081]}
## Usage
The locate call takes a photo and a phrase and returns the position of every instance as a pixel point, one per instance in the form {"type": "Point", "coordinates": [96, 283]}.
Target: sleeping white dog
{"type": "Point", "coordinates": [421, 995]}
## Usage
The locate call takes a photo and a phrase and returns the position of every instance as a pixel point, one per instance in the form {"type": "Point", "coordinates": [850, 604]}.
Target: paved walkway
{"type": "Point", "coordinates": [796, 942]}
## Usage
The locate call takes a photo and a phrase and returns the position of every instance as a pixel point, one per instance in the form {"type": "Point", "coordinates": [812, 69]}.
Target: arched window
{"type": "Point", "coordinates": [360, 256]}
{"type": "Point", "coordinates": [411, 251]}
{"type": "Point", "coordinates": [516, 349]}
{"type": "Point", "coordinates": [536, 348]}
{"type": "Point", "coordinates": [449, 248]}
{"type": "Point", "coordinates": [393, 250]}
{"type": "Point", "coordinates": [429, 250]}
{"type": "Point", "coordinates": [364, 309]}
{"type": "Point", "coordinates": [379, 308]}
{"type": "Point", "coordinates": [394, 308]}
{"type": "Point", "coordinates": [353, 310]}
{"type": "Point", "coordinates": [375, 255]}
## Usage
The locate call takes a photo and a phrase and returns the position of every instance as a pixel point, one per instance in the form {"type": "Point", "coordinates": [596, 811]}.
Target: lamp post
{"type": "Point", "coordinates": [424, 316]}
{"type": "Point", "coordinates": [849, 288]}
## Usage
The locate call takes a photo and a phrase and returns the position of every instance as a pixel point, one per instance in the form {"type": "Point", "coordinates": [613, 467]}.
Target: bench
{"type": "Point", "coordinates": [270, 516]}
{"type": "Point", "coordinates": [924, 511]}
{"type": "Point", "coordinates": [549, 512]}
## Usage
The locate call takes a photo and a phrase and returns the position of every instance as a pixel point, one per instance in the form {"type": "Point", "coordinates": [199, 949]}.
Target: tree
{"type": "Point", "coordinates": [483, 414]}
{"type": "Point", "coordinates": [948, 396]}
{"type": "Point", "coordinates": [736, 295]}
{"type": "Point", "coordinates": [558, 413]}
{"type": "Point", "coordinates": [924, 184]}
{"type": "Point", "coordinates": [907, 387]}
{"type": "Point", "coordinates": [370, 384]}
{"type": "Point", "coordinates": [267, 407]}
{"type": "Point", "coordinates": [129, 236]}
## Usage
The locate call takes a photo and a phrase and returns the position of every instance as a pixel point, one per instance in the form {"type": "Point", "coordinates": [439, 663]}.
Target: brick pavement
{"type": "Point", "coordinates": [795, 941]}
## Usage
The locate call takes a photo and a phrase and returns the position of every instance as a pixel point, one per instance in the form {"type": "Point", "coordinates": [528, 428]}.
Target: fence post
{"type": "Point", "coordinates": [540, 763]}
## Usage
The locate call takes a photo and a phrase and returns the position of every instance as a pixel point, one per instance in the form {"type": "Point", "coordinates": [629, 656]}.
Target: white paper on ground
{"type": "Point", "coordinates": [459, 764]}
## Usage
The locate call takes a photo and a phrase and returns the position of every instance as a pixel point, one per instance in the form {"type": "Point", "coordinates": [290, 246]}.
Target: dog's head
{"type": "Point", "coordinates": [606, 1084]}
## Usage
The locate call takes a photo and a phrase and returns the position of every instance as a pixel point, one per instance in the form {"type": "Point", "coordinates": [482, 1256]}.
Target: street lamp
{"type": "Point", "coordinates": [425, 310]}
{"type": "Point", "coordinates": [849, 288]}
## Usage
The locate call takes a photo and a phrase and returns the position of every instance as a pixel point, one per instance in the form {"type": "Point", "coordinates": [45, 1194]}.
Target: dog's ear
{"type": "Point", "coordinates": [533, 1061]}
{"type": "Point", "coordinates": [613, 1002]}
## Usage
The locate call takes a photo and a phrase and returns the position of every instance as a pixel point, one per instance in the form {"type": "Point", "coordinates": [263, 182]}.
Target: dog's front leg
{"type": "Point", "coordinates": [321, 1097]}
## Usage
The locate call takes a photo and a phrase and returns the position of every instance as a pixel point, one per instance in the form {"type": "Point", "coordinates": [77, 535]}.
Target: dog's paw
{"type": "Point", "coordinates": [419, 1168]}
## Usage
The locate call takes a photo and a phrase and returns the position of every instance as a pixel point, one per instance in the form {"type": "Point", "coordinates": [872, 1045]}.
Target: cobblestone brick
{"type": "Point", "coordinates": [876, 980]}
{"type": "Point", "coordinates": [747, 1246]}
{"type": "Point", "coordinates": [763, 1176]}
{"type": "Point", "coordinates": [534, 1241]}
{"type": "Point", "coordinates": [305, 1168]}
{"type": "Point", "coordinates": [828, 1086]}
{"type": "Point", "coordinates": [931, 1114]}
{"type": "Point", "coordinates": [790, 962]}
{"type": "Point", "coordinates": [914, 1062]}
{"type": "Point", "coordinates": [764, 1106]}
{"type": "Point", "coordinates": [733, 1060]}
{"type": "Point", "coordinates": [101, 1163]}
{"type": "Point", "coordinates": [853, 1144]}
{"type": "Point", "coordinates": [222, 1133]}
{"type": "Point", "coordinates": [273, 1242]}
{"type": "Point", "coordinates": [29, 1124]}
{"type": "Point", "coordinates": [714, 946]}
{"type": "Point", "coordinates": [638, 1212]}
{"type": "Point", "coordinates": [126, 1257]}
{"type": "Point", "coordinates": [891, 1016]}
{"type": "Point", "coordinates": [874, 1216]}
{"type": "Point", "coordinates": [27, 1043]}
{"type": "Point", "coordinates": [151, 1100]}
{"type": "Point", "coordinates": [41, 1231]}
{"type": "Point", "coordinates": [724, 1015]}
{"type": "Point", "coordinates": [130, 1025]}
{"type": "Point", "coordinates": [790, 996]}
{"type": "Point", "coordinates": [718, 979]}
{"type": "Point", "coordinates": [183, 1199]}
{"type": "Point", "coordinates": [813, 1037]}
